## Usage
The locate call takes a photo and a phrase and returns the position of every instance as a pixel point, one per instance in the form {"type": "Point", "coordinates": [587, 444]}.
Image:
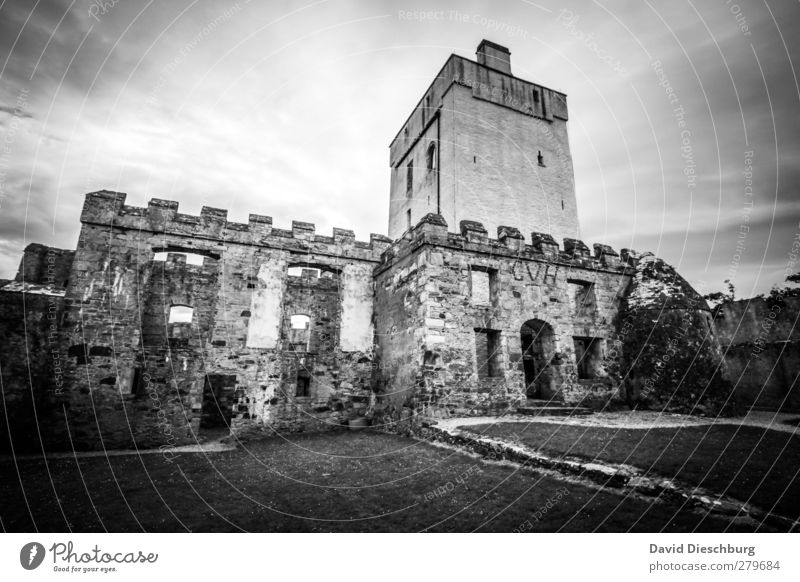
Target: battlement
{"type": "Point", "coordinates": [107, 208]}
{"type": "Point", "coordinates": [510, 242]}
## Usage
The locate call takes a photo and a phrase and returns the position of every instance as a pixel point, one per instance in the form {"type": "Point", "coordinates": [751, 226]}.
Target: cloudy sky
{"type": "Point", "coordinates": [287, 109]}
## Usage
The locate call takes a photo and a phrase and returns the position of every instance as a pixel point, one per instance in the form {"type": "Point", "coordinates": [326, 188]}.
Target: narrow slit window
{"type": "Point", "coordinates": [487, 353]}
{"type": "Point", "coordinates": [409, 177]}
{"type": "Point", "coordinates": [431, 159]}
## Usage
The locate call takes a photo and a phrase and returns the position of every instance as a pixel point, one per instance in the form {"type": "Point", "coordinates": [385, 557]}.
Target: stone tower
{"type": "Point", "coordinates": [486, 146]}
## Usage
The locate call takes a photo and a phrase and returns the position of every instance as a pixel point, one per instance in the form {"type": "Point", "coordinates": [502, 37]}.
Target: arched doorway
{"type": "Point", "coordinates": [538, 348]}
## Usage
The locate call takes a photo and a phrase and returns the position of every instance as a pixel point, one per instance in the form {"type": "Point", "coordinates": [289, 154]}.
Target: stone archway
{"type": "Point", "coordinates": [538, 349]}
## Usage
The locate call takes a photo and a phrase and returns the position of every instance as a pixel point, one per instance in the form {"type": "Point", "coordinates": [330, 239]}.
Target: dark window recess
{"type": "Point", "coordinates": [487, 351]}
{"type": "Point", "coordinates": [587, 356]}
{"type": "Point", "coordinates": [138, 387]}
{"type": "Point", "coordinates": [80, 352]}
{"type": "Point", "coordinates": [101, 351]}
{"type": "Point", "coordinates": [410, 177]}
{"type": "Point", "coordinates": [218, 392]}
{"type": "Point", "coordinates": [408, 218]}
{"type": "Point", "coordinates": [303, 386]}
{"type": "Point", "coordinates": [540, 157]}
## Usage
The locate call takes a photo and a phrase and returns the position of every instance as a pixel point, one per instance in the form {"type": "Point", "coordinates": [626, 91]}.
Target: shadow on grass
{"type": "Point", "coordinates": [752, 464]}
{"type": "Point", "coordinates": [336, 482]}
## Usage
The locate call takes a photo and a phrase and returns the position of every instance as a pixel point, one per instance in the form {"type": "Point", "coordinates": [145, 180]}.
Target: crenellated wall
{"type": "Point", "coordinates": [175, 328]}
{"type": "Point", "coordinates": [439, 295]}
{"type": "Point", "coordinates": [133, 376]}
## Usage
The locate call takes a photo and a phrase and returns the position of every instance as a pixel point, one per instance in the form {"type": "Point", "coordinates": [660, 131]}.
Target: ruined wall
{"type": "Point", "coordinates": [31, 372]}
{"type": "Point", "coordinates": [45, 265]}
{"type": "Point", "coordinates": [760, 338]}
{"type": "Point", "coordinates": [136, 376]}
{"type": "Point", "coordinates": [672, 359]}
{"type": "Point", "coordinates": [400, 297]}
{"type": "Point", "coordinates": [443, 298]}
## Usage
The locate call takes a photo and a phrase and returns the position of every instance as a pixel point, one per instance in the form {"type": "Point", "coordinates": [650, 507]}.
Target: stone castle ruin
{"type": "Point", "coordinates": [161, 326]}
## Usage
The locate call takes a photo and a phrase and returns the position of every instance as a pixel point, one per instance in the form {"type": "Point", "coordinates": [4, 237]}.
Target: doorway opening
{"type": "Point", "coordinates": [538, 348]}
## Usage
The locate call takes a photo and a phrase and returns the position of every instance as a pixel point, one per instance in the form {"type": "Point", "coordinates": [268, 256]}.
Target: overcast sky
{"type": "Point", "coordinates": [287, 109]}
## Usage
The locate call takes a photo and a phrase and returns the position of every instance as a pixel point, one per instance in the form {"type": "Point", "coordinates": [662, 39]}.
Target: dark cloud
{"type": "Point", "coordinates": [287, 110]}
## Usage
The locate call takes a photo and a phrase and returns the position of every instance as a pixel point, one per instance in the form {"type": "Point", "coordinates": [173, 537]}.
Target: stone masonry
{"type": "Point", "coordinates": [163, 327]}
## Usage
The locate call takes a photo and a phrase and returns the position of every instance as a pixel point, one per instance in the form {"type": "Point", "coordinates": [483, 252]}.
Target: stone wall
{"type": "Point", "coordinates": [761, 342]}
{"type": "Point", "coordinates": [445, 301]}
{"type": "Point", "coordinates": [671, 357]}
{"type": "Point", "coordinates": [31, 372]}
{"type": "Point", "coordinates": [45, 265]}
{"type": "Point", "coordinates": [138, 373]}
{"type": "Point", "coordinates": [489, 129]}
{"type": "Point", "coordinates": [173, 327]}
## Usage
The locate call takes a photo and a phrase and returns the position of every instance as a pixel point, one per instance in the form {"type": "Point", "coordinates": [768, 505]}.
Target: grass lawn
{"type": "Point", "coordinates": [747, 463]}
{"type": "Point", "coordinates": [344, 481]}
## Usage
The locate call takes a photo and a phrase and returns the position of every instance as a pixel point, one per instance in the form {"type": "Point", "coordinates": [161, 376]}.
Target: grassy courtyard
{"type": "Point", "coordinates": [756, 465]}
{"type": "Point", "coordinates": [347, 481]}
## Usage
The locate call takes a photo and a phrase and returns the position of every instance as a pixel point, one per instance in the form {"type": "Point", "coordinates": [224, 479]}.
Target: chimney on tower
{"type": "Point", "coordinates": [494, 56]}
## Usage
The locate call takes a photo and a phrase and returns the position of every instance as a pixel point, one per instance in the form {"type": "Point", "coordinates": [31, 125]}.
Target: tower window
{"type": "Point", "coordinates": [409, 177]}
{"type": "Point", "coordinates": [541, 159]}
{"type": "Point", "coordinates": [431, 157]}
{"type": "Point", "coordinates": [408, 218]}
{"type": "Point", "coordinates": [180, 314]}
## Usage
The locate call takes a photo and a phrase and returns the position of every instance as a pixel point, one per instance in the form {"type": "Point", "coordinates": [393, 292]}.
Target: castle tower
{"type": "Point", "coordinates": [487, 146]}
